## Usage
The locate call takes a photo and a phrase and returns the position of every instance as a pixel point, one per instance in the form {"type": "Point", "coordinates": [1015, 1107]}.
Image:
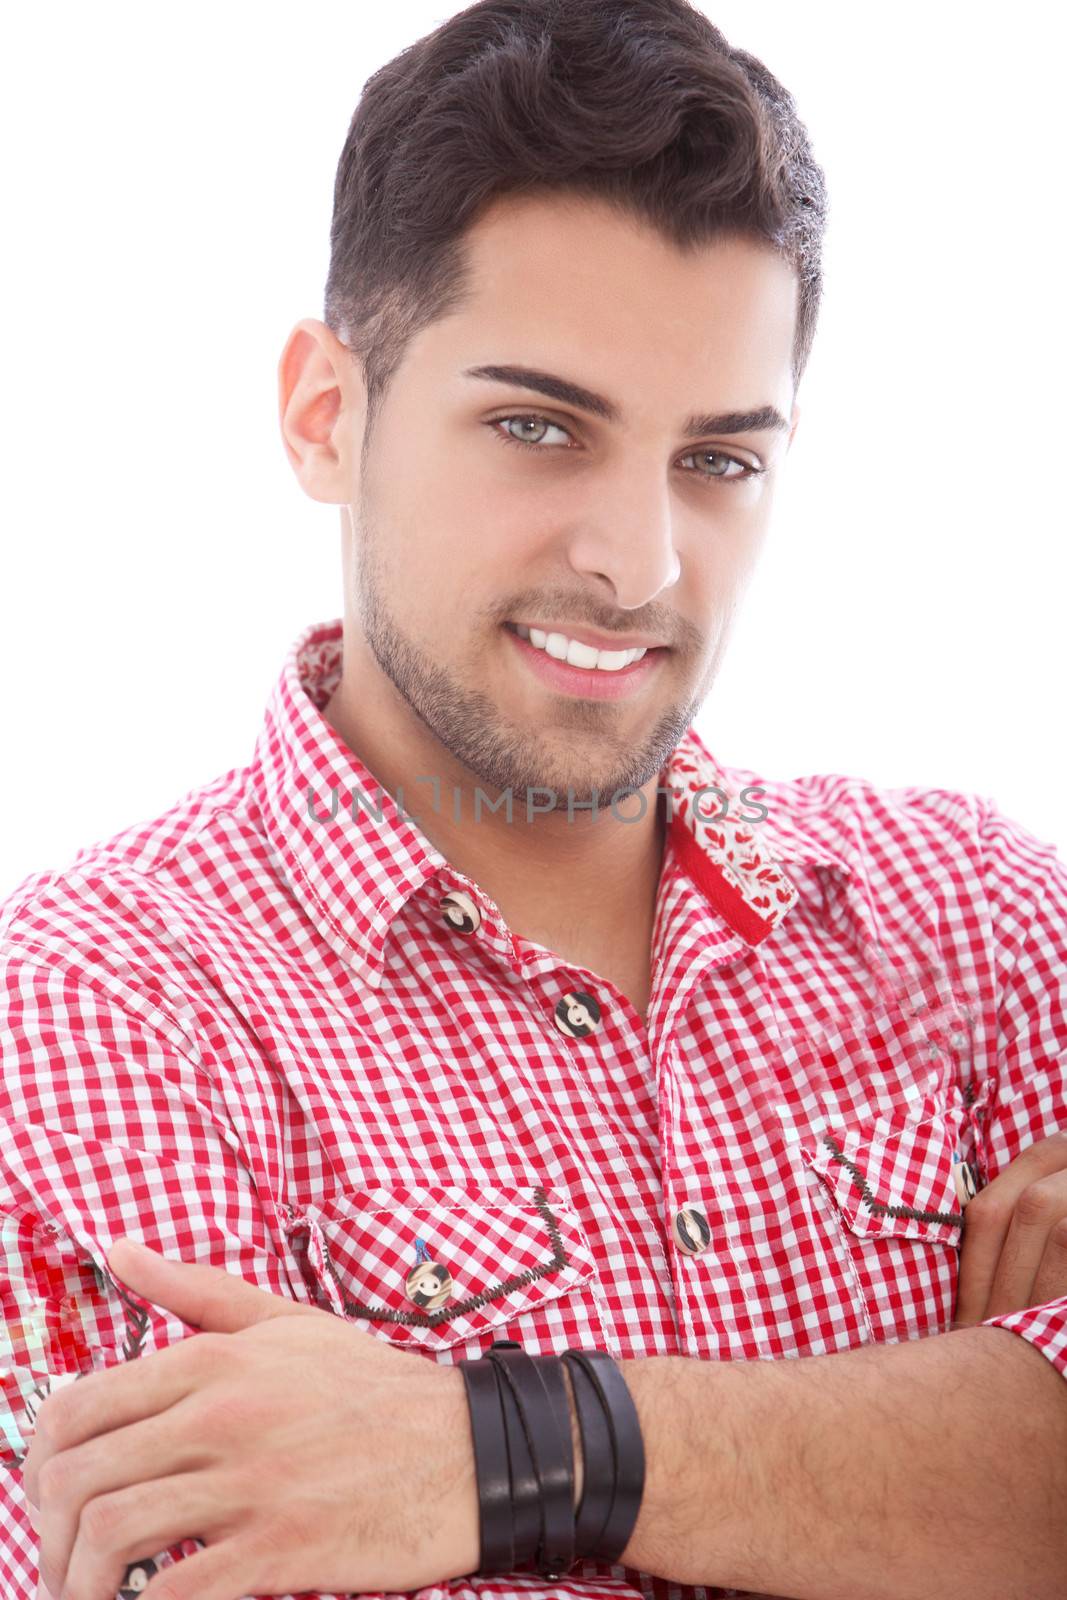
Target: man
{"type": "Point", "coordinates": [485, 1003]}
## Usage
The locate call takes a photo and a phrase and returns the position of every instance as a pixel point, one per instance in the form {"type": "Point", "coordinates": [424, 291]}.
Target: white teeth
{"type": "Point", "coordinates": [577, 654]}
{"type": "Point", "coordinates": [581, 655]}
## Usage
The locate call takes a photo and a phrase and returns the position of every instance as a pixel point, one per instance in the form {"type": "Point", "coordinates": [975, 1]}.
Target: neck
{"type": "Point", "coordinates": [583, 886]}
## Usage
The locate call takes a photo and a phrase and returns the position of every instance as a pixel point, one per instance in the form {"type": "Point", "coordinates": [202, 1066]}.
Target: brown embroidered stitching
{"type": "Point", "coordinates": [878, 1206]}
{"type": "Point", "coordinates": [136, 1323]}
{"type": "Point", "coordinates": [430, 1319]}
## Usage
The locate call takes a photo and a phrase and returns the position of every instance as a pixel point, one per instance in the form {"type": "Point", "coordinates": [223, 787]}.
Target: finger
{"type": "Point", "coordinates": [114, 1397]}
{"type": "Point", "coordinates": [39, 1449]}
{"type": "Point", "coordinates": [126, 1529]}
{"type": "Point", "coordinates": [985, 1227]}
{"type": "Point", "coordinates": [988, 1217]}
{"type": "Point", "coordinates": [1037, 1211]}
{"type": "Point", "coordinates": [77, 1483]}
{"type": "Point", "coordinates": [224, 1571]}
{"type": "Point", "coordinates": [205, 1296]}
{"type": "Point", "coordinates": [1051, 1280]}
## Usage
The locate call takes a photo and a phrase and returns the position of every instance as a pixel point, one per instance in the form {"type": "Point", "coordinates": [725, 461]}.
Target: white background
{"type": "Point", "coordinates": [168, 176]}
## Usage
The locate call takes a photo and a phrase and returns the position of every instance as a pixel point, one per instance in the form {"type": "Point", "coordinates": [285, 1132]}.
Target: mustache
{"type": "Point", "coordinates": [666, 626]}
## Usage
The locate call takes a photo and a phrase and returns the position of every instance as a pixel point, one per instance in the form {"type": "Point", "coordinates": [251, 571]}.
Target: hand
{"type": "Point", "coordinates": [305, 1452]}
{"type": "Point", "coordinates": [1015, 1237]}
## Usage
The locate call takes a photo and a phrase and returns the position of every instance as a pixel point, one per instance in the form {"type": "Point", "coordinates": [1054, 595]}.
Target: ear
{"type": "Point", "coordinates": [321, 410]}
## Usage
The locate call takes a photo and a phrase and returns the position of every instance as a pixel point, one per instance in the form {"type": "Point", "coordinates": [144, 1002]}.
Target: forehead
{"type": "Point", "coordinates": [555, 274]}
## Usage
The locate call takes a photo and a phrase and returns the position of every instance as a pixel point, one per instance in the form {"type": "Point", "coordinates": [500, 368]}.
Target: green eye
{"type": "Point", "coordinates": [500, 431]}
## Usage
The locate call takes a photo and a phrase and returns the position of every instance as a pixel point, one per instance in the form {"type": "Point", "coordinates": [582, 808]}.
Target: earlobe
{"type": "Point", "coordinates": [317, 384]}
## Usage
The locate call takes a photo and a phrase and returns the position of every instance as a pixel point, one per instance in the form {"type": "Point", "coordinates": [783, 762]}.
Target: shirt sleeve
{"type": "Point", "coordinates": [108, 1126]}
{"type": "Point", "coordinates": [1027, 887]}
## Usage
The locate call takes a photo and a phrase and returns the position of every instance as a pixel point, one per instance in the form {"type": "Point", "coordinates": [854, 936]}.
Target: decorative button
{"type": "Point", "coordinates": [692, 1231]}
{"type": "Point", "coordinates": [461, 912]}
{"type": "Point", "coordinates": [428, 1285]}
{"type": "Point", "coordinates": [577, 1014]}
{"type": "Point", "coordinates": [136, 1578]}
{"type": "Point", "coordinates": [963, 1172]}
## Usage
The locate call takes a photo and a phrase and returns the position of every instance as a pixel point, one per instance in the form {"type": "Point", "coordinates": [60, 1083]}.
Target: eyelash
{"type": "Point", "coordinates": [749, 473]}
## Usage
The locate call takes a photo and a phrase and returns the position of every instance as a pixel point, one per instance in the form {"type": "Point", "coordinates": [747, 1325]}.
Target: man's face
{"type": "Point", "coordinates": [585, 526]}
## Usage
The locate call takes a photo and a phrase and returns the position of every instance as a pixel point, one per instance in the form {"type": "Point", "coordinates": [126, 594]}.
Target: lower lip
{"type": "Point", "coordinates": [589, 682]}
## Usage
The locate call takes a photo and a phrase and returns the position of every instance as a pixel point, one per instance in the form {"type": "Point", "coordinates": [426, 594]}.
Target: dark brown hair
{"type": "Point", "coordinates": [640, 103]}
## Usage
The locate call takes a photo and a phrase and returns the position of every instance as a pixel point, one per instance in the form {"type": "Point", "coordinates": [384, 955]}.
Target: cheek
{"type": "Point", "coordinates": [730, 547]}
{"type": "Point", "coordinates": [457, 558]}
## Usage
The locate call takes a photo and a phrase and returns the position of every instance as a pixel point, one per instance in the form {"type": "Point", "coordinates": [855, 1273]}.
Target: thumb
{"type": "Point", "coordinates": [206, 1297]}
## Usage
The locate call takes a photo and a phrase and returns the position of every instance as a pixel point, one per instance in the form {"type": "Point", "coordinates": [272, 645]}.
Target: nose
{"type": "Point", "coordinates": [628, 542]}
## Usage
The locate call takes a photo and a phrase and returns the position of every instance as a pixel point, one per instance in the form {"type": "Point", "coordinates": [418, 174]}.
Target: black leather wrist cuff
{"type": "Point", "coordinates": [598, 1462]}
{"type": "Point", "coordinates": [556, 1555]}
{"type": "Point", "coordinates": [491, 1467]}
{"type": "Point", "coordinates": [526, 1490]}
{"type": "Point", "coordinates": [628, 1449]}
{"type": "Point", "coordinates": [539, 1391]}
{"type": "Point", "coordinates": [524, 1458]}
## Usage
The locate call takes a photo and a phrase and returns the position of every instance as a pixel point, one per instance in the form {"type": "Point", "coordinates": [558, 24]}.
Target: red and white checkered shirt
{"type": "Point", "coordinates": [264, 1032]}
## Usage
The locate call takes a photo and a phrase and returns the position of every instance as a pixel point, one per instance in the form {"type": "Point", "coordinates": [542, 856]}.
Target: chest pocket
{"type": "Point", "coordinates": [891, 1216]}
{"type": "Point", "coordinates": [434, 1268]}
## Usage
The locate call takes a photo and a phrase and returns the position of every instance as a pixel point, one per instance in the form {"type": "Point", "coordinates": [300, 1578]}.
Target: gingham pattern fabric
{"type": "Point", "coordinates": [252, 1032]}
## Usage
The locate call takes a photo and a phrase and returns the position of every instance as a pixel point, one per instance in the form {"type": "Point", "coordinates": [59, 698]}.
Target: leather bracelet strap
{"type": "Point", "coordinates": [491, 1467]}
{"type": "Point", "coordinates": [553, 1561]}
{"type": "Point", "coordinates": [598, 1458]}
{"type": "Point", "coordinates": [551, 1451]}
{"type": "Point", "coordinates": [525, 1488]}
{"type": "Point", "coordinates": [629, 1450]}
{"type": "Point", "coordinates": [520, 1422]}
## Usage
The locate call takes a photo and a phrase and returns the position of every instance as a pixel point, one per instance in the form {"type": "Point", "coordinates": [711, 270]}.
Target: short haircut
{"type": "Point", "coordinates": [639, 103]}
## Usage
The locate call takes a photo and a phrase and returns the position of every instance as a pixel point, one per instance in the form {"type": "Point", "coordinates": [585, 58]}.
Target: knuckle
{"type": "Point", "coordinates": [988, 1209]}
{"type": "Point", "coordinates": [231, 1411]}
{"type": "Point", "coordinates": [52, 1419]}
{"type": "Point", "coordinates": [100, 1520]}
{"type": "Point", "coordinates": [285, 1532]}
{"type": "Point", "coordinates": [1054, 1184]}
{"type": "Point", "coordinates": [52, 1480]}
{"type": "Point", "coordinates": [209, 1350]}
{"type": "Point", "coordinates": [1036, 1201]}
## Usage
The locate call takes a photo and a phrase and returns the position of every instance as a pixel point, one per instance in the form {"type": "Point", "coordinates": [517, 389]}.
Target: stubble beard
{"type": "Point", "coordinates": [499, 753]}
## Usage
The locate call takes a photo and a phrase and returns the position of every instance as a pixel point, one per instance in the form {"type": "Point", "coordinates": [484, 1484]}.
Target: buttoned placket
{"type": "Point", "coordinates": [578, 1015]}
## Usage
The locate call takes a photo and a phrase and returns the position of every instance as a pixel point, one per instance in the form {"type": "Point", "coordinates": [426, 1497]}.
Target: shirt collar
{"type": "Point", "coordinates": [353, 877]}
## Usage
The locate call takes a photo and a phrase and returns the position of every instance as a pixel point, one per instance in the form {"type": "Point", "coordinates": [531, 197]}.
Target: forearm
{"type": "Point", "coordinates": [891, 1472]}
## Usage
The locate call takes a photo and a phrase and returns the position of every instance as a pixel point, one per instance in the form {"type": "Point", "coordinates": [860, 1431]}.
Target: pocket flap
{"type": "Point", "coordinates": [433, 1267]}
{"type": "Point", "coordinates": [891, 1177]}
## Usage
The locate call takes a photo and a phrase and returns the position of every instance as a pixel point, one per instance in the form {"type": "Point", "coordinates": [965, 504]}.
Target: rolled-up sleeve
{"type": "Point", "coordinates": [1027, 885]}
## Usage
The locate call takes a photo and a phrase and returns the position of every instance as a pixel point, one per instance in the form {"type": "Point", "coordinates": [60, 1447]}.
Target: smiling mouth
{"type": "Point", "coordinates": [599, 659]}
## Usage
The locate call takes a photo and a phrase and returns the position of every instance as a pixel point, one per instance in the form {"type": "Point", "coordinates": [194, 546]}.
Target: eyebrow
{"type": "Point", "coordinates": [764, 419]}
